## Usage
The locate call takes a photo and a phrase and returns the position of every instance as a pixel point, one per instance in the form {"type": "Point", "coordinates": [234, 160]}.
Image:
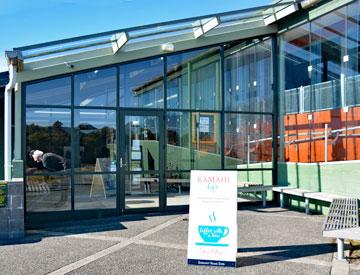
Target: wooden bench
{"type": "Point", "coordinates": [250, 187]}
{"type": "Point", "coordinates": [342, 222]}
{"type": "Point", "coordinates": [306, 194]}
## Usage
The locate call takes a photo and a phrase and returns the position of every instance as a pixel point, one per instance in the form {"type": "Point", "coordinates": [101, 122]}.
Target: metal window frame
{"type": "Point", "coordinates": [120, 207]}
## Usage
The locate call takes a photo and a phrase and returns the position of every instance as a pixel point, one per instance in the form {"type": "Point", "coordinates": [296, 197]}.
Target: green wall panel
{"type": "Point", "coordinates": [341, 178]}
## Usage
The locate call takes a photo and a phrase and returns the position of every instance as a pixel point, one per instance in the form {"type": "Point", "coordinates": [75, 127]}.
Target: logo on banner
{"type": "Point", "coordinates": [212, 234]}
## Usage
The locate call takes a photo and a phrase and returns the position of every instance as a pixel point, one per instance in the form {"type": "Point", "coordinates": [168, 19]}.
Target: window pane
{"type": "Point", "coordinates": [253, 178]}
{"type": "Point", "coordinates": [248, 141]}
{"type": "Point", "coordinates": [178, 188]}
{"type": "Point", "coordinates": [51, 92]}
{"type": "Point", "coordinates": [353, 65]}
{"type": "Point", "coordinates": [206, 140]}
{"type": "Point", "coordinates": [95, 191]}
{"type": "Point", "coordinates": [327, 49]}
{"type": "Point", "coordinates": [95, 140]}
{"type": "Point", "coordinates": [48, 193]}
{"type": "Point", "coordinates": [96, 88]}
{"type": "Point", "coordinates": [248, 77]}
{"type": "Point", "coordinates": [194, 77]}
{"type": "Point", "coordinates": [205, 83]}
{"type": "Point", "coordinates": [142, 143]}
{"type": "Point", "coordinates": [141, 84]}
{"type": "Point", "coordinates": [141, 190]}
{"type": "Point", "coordinates": [295, 62]}
{"type": "Point", "coordinates": [49, 131]}
{"type": "Point", "coordinates": [178, 141]}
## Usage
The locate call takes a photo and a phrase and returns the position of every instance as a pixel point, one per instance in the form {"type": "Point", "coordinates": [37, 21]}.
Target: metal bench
{"type": "Point", "coordinates": [342, 222]}
{"type": "Point", "coordinates": [250, 187]}
{"type": "Point", "coordinates": [306, 194]}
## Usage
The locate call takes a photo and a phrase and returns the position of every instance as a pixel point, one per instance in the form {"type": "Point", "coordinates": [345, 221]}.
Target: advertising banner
{"type": "Point", "coordinates": [212, 236]}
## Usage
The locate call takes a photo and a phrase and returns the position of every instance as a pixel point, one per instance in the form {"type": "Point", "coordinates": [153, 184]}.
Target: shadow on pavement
{"type": "Point", "coordinates": [280, 253]}
{"type": "Point", "coordinates": [58, 229]}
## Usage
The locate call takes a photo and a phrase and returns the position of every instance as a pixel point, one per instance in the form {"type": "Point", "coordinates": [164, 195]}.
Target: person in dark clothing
{"type": "Point", "coordinates": [53, 163]}
{"type": "Point", "coordinates": [50, 161]}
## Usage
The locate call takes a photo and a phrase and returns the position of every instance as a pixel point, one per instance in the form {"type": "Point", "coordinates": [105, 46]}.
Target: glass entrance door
{"type": "Point", "coordinates": [141, 160]}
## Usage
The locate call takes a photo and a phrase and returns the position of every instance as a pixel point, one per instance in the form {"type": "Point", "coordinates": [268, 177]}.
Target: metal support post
{"type": "Point", "coordinates": [263, 195]}
{"type": "Point", "coordinates": [340, 249]}
{"type": "Point", "coordinates": [307, 210]}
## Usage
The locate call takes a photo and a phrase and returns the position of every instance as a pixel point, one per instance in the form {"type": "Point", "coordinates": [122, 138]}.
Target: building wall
{"type": "Point", "coordinates": [1, 133]}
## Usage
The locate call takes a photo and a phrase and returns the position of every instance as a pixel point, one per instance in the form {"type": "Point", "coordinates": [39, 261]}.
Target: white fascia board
{"type": "Point", "coordinates": [212, 23]}
{"type": "Point", "coordinates": [269, 20]}
{"type": "Point", "coordinates": [198, 32]}
{"type": "Point", "coordinates": [119, 40]}
{"type": "Point", "coordinates": [206, 27]}
{"type": "Point", "coordinates": [280, 14]}
{"type": "Point", "coordinates": [286, 11]}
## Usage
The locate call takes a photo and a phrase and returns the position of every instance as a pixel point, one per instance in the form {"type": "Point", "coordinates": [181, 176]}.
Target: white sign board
{"type": "Point", "coordinates": [212, 238]}
{"type": "Point", "coordinates": [204, 125]}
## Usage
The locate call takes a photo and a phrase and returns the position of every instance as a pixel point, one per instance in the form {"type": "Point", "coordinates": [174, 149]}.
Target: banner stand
{"type": "Point", "coordinates": [212, 235]}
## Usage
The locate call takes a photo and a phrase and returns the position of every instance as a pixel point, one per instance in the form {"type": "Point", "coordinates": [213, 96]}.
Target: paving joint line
{"type": "Point", "coordinates": [91, 258]}
{"type": "Point", "coordinates": [315, 219]}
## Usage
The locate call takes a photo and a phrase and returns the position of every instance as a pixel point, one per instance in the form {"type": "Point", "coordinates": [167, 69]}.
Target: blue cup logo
{"type": "Point", "coordinates": [212, 234]}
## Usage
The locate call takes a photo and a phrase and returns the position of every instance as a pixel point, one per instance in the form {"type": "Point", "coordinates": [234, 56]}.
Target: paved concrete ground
{"type": "Point", "coordinates": [270, 241]}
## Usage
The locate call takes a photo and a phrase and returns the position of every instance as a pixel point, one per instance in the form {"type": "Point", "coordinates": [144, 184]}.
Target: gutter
{"type": "Point", "coordinates": [14, 63]}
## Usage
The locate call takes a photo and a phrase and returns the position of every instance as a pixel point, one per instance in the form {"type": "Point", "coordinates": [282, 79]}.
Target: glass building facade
{"type": "Point", "coordinates": [319, 72]}
{"type": "Point", "coordinates": [130, 134]}
{"type": "Point", "coordinates": [127, 135]}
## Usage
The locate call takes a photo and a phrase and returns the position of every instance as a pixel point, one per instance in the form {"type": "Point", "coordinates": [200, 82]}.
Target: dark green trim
{"type": "Point", "coordinates": [276, 91]}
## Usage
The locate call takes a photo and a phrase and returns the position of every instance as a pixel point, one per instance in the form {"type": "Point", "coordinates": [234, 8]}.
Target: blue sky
{"type": "Point", "coordinates": [26, 22]}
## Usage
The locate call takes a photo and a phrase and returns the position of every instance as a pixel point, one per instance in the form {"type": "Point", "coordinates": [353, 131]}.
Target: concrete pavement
{"type": "Point", "coordinates": [270, 241]}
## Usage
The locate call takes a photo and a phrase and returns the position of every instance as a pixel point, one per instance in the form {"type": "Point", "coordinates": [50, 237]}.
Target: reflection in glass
{"type": "Point", "coordinates": [48, 193]}
{"type": "Point", "coordinates": [141, 84]}
{"type": "Point", "coordinates": [320, 75]}
{"type": "Point", "coordinates": [95, 191]}
{"type": "Point", "coordinates": [253, 178]}
{"type": "Point", "coordinates": [178, 141]}
{"type": "Point", "coordinates": [194, 77]}
{"type": "Point", "coordinates": [248, 140]}
{"type": "Point", "coordinates": [178, 188]}
{"type": "Point", "coordinates": [206, 140]}
{"type": "Point", "coordinates": [141, 143]}
{"type": "Point", "coordinates": [141, 190]}
{"type": "Point", "coordinates": [96, 88]}
{"type": "Point", "coordinates": [48, 130]}
{"type": "Point", "coordinates": [327, 49]}
{"type": "Point", "coordinates": [95, 140]}
{"type": "Point", "coordinates": [51, 92]}
{"type": "Point", "coordinates": [295, 56]}
{"type": "Point", "coordinates": [248, 77]}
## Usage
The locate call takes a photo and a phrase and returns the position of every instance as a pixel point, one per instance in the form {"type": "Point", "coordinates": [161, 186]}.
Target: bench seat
{"type": "Point", "coordinates": [342, 222]}
{"type": "Point", "coordinates": [347, 233]}
{"type": "Point", "coordinates": [248, 187]}
{"type": "Point", "coordinates": [321, 196]}
{"type": "Point", "coordinates": [306, 194]}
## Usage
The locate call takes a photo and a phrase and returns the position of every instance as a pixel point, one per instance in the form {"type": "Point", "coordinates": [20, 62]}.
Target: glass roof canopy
{"type": "Point", "coordinates": [193, 28]}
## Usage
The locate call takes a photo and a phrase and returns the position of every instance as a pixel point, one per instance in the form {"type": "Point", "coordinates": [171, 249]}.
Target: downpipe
{"type": "Point", "coordinates": [7, 120]}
